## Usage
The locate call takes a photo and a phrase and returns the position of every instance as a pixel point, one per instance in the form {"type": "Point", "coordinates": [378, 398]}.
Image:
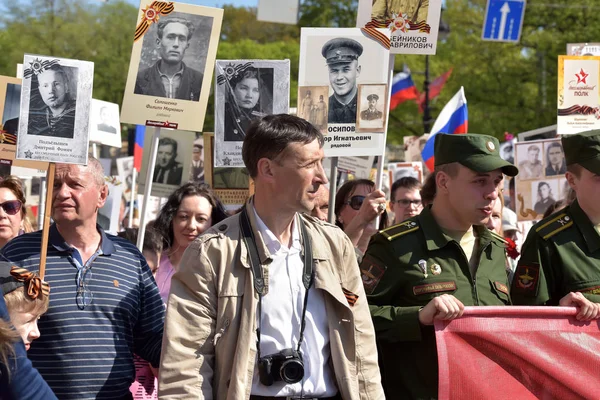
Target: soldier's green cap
{"type": "Point", "coordinates": [479, 153]}
{"type": "Point", "coordinates": [583, 149]}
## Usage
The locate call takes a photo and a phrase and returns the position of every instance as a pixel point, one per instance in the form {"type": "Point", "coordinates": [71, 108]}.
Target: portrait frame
{"type": "Point", "coordinates": [232, 115]}
{"type": "Point", "coordinates": [410, 33]}
{"type": "Point", "coordinates": [177, 168]}
{"type": "Point", "coordinates": [402, 169]}
{"type": "Point", "coordinates": [125, 173]}
{"type": "Point", "coordinates": [527, 169]}
{"type": "Point", "coordinates": [364, 91]}
{"type": "Point", "coordinates": [232, 198]}
{"type": "Point", "coordinates": [314, 115]}
{"type": "Point", "coordinates": [187, 109]}
{"type": "Point", "coordinates": [112, 207]}
{"type": "Point", "coordinates": [372, 67]}
{"type": "Point", "coordinates": [105, 129]}
{"type": "Point", "coordinates": [58, 132]}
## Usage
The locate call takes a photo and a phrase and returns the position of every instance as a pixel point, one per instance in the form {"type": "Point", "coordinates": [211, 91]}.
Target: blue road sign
{"type": "Point", "coordinates": [503, 20]}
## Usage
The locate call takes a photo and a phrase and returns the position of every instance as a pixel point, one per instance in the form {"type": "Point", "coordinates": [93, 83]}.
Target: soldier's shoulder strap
{"type": "Point", "coordinates": [397, 231]}
{"type": "Point", "coordinates": [553, 225]}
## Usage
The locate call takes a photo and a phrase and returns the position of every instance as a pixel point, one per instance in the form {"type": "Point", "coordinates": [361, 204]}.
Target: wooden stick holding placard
{"type": "Point", "coordinates": [47, 216]}
{"type": "Point", "coordinates": [332, 189]}
{"type": "Point", "coordinates": [148, 187]}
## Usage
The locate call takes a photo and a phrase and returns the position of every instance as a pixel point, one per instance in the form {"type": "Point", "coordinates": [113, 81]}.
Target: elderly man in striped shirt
{"type": "Point", "coordinates": [104, 305]}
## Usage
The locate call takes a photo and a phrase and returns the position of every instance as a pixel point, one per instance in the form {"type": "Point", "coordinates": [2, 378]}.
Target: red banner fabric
{"type": "Point", "coordinates": [518, 353]}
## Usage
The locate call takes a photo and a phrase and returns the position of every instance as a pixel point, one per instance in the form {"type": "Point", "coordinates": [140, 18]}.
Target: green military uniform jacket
{"type": "Point", "coordinates": [561, 255]}
{"type": "Point", "coordinates": [397, 289]}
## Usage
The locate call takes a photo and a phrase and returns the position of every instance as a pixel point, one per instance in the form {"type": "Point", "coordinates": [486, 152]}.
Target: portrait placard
{"type": "Point", "coordinates": [108, 215]}
{"type": "Point", "coordinates": [413, 24]}
{"type": "Point", "coordinates": [246, 90]}
{"type": "Point", "coordinates": [342, 59]}
{"type": "Point", "coordinates": [54, 117]}
{"type": "Point", "coordinates": [171, 67]}
{"type": "Point", "coordinates": [578, 94]}
{"type": "Point", "coordinates": [125, 171]}
{"type": "Point", "coordinates": [173, 161]}
{"type": "Point", "coordinates": [583, 49]}
{"type": "Point", "coordinates": [10, 105]}
{"type": "Point", "coordinates": [541, 181]}
{"type": "Point", "coordinates": [400, 170]}
{"type": "Point", "coordinates": [105, 127]}
{"type": "Point", "coordinates": [232, 185]}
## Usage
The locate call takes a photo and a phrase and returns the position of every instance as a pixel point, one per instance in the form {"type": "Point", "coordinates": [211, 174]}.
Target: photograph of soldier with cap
{"type": "Point", "coordinates": [372, 104]}
{"type": "Point", "coordinates": [52, 102]}
{"type": "Point", "coordinates": [174, 53]}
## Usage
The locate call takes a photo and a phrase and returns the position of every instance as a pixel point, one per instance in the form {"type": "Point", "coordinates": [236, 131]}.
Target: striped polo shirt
{"type": "Point", "coordinates": [88, 354]}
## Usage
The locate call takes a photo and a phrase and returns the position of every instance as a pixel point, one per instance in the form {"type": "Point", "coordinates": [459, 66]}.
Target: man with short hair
{"type": "Point", "coordinates": [104, 306]}
{"type": "Point", "coordinates": [271, 285]}
{"type": "Point", "coordinates": [532, 167]}
{"type": "Point", "coordinates": [372, 112]}
{"type": "Point", "coordinates": [105, 122]}
{"type": "Point", "coordinates": [405, 198]}
{"type": "Point", "coordinates": [560, 260]}
{"type": "Point", "coordinates": [341, 56]}
{"type": "Point", "coordinates": [168, 170]}
{"type": "Point", "coordinates": [170, 77]}
{"type": "Point", "coordinates": [57, 117]}
{"type": "Point", "coordinates": [197, 170]}
{"type": "Point", "coordinates": [432, 265]}
{"type": "Point", "coordinates": [555, 164]}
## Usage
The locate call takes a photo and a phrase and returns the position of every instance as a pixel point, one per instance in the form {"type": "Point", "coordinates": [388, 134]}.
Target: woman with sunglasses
{"type": "Point", "coordinates": [357, 205]}
{"type": "Point", "coordinates": [13, 216]}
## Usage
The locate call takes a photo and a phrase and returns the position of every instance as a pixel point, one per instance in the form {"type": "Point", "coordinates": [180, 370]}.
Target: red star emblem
{"type": "Point", "coordinates": [582, 76]}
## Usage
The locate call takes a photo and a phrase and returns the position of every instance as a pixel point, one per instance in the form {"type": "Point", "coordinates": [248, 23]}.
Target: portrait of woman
{"type": "Point", "coordinates": [249, 96]}
{"type": "Point", "coordinates": [545, 198]}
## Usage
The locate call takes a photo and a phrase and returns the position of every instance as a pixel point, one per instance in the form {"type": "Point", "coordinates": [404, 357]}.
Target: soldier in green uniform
{"type": "Point", "coordinates": [432, 265]}
{"type": "Point", "coordinates": [560, 260]}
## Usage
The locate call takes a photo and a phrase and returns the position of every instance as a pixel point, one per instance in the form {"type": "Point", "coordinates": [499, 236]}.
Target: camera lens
{"type": "Point", "coordinates": [292, 371]}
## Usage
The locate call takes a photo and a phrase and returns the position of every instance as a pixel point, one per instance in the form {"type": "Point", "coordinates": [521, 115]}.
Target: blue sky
{"type": "Point", "coordinates": [211, 3]}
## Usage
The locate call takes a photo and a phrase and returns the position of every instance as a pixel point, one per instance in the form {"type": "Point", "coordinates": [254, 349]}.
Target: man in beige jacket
{"type": "Point", "coordinates": [269, 303]}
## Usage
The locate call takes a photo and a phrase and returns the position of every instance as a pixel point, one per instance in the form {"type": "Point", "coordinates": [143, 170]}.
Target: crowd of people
{"type": "Point", "coordinates": [272, 301]}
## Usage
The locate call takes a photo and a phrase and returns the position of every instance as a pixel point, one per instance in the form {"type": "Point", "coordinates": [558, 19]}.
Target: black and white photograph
{"type": "Point", "coordinates": [507, 150]}
{"type": "Point", "coordinates": [54, 117]}
{"type": "Point", "coordinates": [173, 161]}
{"type": "Point", "coordinates": [108, 215]}
{"type": "Point", "coordinates": [11, 107]}
{"type": "Point", "coordinates": [530, 160]}
{"type": "Point", "coordinates": [313, 105]}
{"type": "Point", "coordinates": [171, 67]}
{"type": "Point", "coordinates": [415, 20]}
{"type": "Point", "coordinates": [246, 90]}
{"type": "Point", "coordinates": [125, 171]}
{"type": "Point", "coordinates": [372, 104]}
{"type": "Point", "coordinates": [105, 127]}
{"type": "Point", "coordinates": [556, 164]}
{"type": "Point", "coordinates": [544, 193]}
{"type": "Point", "coordinates": [197, 165]}
{"type": "Point", "coordinates": [343, 59]}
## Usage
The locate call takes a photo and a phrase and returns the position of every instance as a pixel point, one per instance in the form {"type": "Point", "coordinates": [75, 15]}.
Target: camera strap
{"type": "Point", "coordinates": [261, 284]}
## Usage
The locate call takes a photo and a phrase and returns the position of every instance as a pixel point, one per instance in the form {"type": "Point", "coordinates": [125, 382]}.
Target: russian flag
{"type": "Point", "coordinates": [403, 88]}
{"type": "Point", "coordinates": [138, 147]}
{"type": "Point", "coordinates": [453, 119]}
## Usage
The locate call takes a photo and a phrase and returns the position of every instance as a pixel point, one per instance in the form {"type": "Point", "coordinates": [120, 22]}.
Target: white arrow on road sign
{"type": "Point", "coordinates": [504, 11]}
{"type": "Point", "coordinates": [503, 20]}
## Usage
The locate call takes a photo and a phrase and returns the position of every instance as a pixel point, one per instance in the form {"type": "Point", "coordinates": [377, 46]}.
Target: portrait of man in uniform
{"type": "Point", "coordinates": [197, 170]}
{"type": "Point", "coordinates": [168, 170]}
{"type": "Point", "coordinates": [52, 103]}
{"type": "Point", "coordinates": [170, 77]}
{"type": "Point", "coordinates": [415, 10]}
{"type": "Point", "coordinates": [341, 56]}
{"type": "Point", "coordinates": [371, 112]}
{"type": "Point", "coordinates": [532, 166]}
{"type": "Point", "coordinates": [555, 159]}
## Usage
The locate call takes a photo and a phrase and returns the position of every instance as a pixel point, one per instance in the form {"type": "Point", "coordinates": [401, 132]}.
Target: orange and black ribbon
{"type": "Point", "coordinates": [33, 283]}
{"type": "Point", "coordinates": [150, 15]}
{"type": "Point", "coordinates": [371, 27]}
{"type": "Point", "coordinates": [350, 297]}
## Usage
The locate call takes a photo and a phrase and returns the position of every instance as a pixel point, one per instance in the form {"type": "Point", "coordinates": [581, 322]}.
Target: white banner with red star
{"type": "Point", "coordinates": [578, 94]}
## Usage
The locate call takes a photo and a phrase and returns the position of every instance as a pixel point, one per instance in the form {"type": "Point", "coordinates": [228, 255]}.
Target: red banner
{"type": "Point", "coordinates": [518, 353]}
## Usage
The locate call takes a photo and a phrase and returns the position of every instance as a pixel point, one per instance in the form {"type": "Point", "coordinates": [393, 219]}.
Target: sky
{"type": "Point", "coordinates": [211, 3]}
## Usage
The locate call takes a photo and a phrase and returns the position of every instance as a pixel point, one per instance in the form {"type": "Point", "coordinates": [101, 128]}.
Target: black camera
{"type": "Point", "coordinates": [284, 366]}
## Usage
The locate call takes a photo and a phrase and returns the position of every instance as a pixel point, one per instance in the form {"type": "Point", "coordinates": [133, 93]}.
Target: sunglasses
{"type": "Point", "coordinates": [11, 207]}
{"type": "Point", "coordinates": [356, 202]}
{"type": "Point", "coordinates": [406, 202]}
